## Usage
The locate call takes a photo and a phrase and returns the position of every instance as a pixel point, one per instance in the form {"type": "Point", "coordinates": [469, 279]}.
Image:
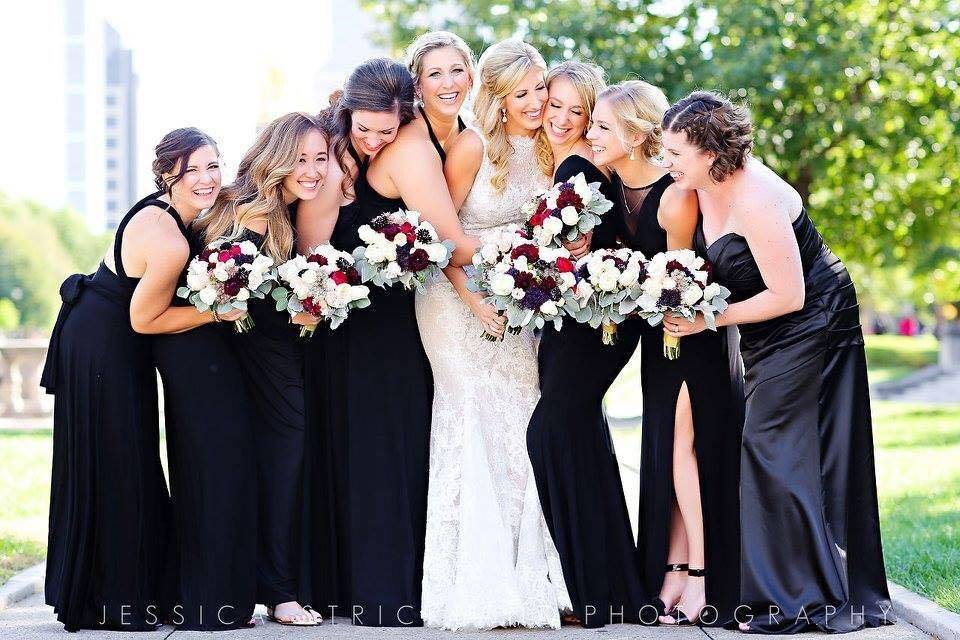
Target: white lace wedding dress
{"type": "Point", "coordinates": [489, 559]}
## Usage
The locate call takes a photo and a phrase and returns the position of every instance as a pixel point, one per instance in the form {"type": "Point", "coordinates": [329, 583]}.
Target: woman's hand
{"type": "Point", "coordinates": [304, 319]}
{"type": "Point", "coordinates": [579, 247]}
{"type": "Point", "coordinates": [231, 316]}
{"type": "Point", "coordinates": [679, 327]}
{"type": "Point", "coordinates": [493, 323]}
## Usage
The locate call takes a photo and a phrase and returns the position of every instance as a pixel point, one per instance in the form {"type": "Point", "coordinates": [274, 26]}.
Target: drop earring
{"type": "Point", "coordinates": [503, 115]}
{"type": "Point", "coordinates": [632, 155]}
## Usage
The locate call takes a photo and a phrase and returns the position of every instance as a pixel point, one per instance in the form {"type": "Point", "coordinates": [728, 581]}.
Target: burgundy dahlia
{"type": "Point", "coordinates": [669, 298]}
{"type": "Point", "coordinates": [419, 260]}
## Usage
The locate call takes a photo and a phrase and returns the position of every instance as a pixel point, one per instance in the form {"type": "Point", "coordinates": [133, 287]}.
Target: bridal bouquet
{"type": "Point", "coordinates": [566, 211]}
{"type": "Point", "coordinates": [400, 248]}
{"type": "Point", "coordinates": [609, 283]}
{"type": "Point", "coordinates": [528, 283]}
{"type": "Point", "coordinates": [678, 283]}
{"type": "Point", "coordinates": [225, 275]}
{"type": "Point", "coordinates": [325, 284]}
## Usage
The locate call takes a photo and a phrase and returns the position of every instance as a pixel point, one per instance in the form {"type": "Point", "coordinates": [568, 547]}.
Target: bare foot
{"type": "Point", "coordinates": [569, 619]}
{"type": "Point", "coordinates": [744, 627]}
{"type": "Point", "coordinates": [292, 612]}
{"type": "Point", "coordinates": [672, 589]}
{"type": "Point", "coordinates": [692, 602]}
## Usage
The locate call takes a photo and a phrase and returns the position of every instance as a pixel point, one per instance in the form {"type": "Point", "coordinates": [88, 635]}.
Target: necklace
{"type": "Point", "coordinates": [626, 203]}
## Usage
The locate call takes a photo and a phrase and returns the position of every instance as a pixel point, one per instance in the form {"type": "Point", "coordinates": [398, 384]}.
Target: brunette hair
{"type": "Point", "coordinates": [716, 125]}
{"type": "Point", "coordinates": [175, 149]}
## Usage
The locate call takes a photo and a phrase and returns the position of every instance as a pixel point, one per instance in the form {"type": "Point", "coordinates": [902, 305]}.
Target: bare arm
{"type": "Point", "coordinates": [164, 251]}
{"type": "Point", "coordinates": [462, 165]}
{"type": "Point", "coordinates": [417, 175]}
{"type": "Point", "coordinates": [316, 218]}
{"type": "Point", "coordinates": [678, 216]}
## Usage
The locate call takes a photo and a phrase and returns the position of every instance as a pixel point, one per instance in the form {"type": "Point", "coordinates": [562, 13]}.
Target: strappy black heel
{"type": "Point", "coordinates": [680, 616]}
{"type": "Point", "coordinates": [660, 605]}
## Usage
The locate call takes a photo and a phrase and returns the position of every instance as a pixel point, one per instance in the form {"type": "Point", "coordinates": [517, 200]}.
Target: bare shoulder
{"type": "Point", "coordinates": [763, 197]}
{"type": "Point", "coordinates": [410, 146]}
{"type": "Point", "coordinates": [156, 229]}
{"type": "Point", "coordinates": [467, 148]}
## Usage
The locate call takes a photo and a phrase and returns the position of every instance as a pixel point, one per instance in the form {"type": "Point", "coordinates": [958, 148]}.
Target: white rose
{"type": "Point", "coordinates": [196, 281]}
{"type": "Point", "coordinates": [413, 217]}
{"type": "Point", "coordinates": [489, 253]}
{"type": "Point", "coordinates": [668, 283]}
{"type": "Point", "coordinates": [549, 308]}
{"type": "Point", "coordinates": [436, 252]}
{"type": "Point", "coordinates": [711, 291]}
{"type": "Point", "coordinates": [400, 239]}
{"type": "Point", "coordinates": [310, 276]}
{"type": "Point", "coordinates": [521, 263]}
{"type": "Point", "coordinates": [359, 292]}
{"type": "Point", "coordinates": [569, 216]}
{"type": "Point", "coordinates": [607, 280]}
{"type": "Point", "coordinates": [392, 270]}
{"type": "Point", "coordinates": [501, 284]}
{"type": "Point", "coordinates": [389, 251]}
{"type": "Point", "coordinates": [517, 294]}
{"type": "Point", "coordinates": [628, 277]}
{"type": "Point", "coordinates": [367, 234]}
{"type": "Point", "coordinates": [208, 295]}
{"type": "Point", "coordinates": [553, 225]}
{"type": "Point", "coordinates": [248, 247]}
{"type": "Point", "coordinates": [567, 280]}
{"type": "Point", "coordinates": [243, 294]}
{"type": "Point", "coordinates": [220, 273]}
{"type": "Point", "coordinates": [691, 296]}
{"type": "Point", "coordinates": [374, 253]}
{"type": "Point", "coordinates": [254, 280]}
{"type": "Point", "coordinates": [582, 188]}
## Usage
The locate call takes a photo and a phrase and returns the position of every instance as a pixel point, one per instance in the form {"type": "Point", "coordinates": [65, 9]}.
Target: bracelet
{"type": "Point", "coordinates": [216, 316]}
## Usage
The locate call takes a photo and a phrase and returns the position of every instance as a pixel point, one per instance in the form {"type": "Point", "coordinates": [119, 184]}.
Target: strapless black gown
{"type": "Point", "coordinates": [271, 359]}
{"type": "Point", "coordinates": [110, 552]}
{"type": "Point", "coordinates": [572, 453]}
{"type": "Point", "coordinates": [209, 427]}
{"type": "Point", "coordinates": [369, 418]}
{"type": "Point", "coordinates": [810, 530]}
{"type": "Point", "coordinates": [715, 399]}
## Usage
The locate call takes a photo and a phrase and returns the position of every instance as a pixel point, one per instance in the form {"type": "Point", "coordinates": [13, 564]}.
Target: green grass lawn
{"type": "Point", "coordinates": [24, 493]}
{"type": "Point", "coordinates": [892, 357]}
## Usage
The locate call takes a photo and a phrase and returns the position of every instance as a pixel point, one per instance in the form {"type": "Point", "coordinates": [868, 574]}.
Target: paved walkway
{"type": "Point", "coordinates": [33, 620]}
{"type": "Point", "coordinates": [942, 389]}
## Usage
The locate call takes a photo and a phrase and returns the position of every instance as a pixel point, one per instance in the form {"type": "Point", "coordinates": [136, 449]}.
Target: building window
{"type": "Point", "coordinates": [111, 163]}
{"type": "Point", "coordinates": [112, 206]}
{"type": "Point", "coordinates": [111, 185]}
{"type": "Point", "coordinates": [111, 101]}
{"type": "Point", "coordinates": [111, 122]}
{"type": "Point", "coordinates": [111, 143]}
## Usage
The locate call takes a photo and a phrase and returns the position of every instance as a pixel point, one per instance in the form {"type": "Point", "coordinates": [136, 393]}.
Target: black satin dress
{"type": "Point", "coordinates": [572, 453]}
{"type": "Point", "coordinates": [213, 478]}
{"type": "Point", "coordinates": [715, 399]}
{"type": "Point", "coordinates": [810, 528]}
{"type": "Point", "coordinates": [110, 553]}
{"type": "Point", "coordinates": [369, 410]}
{"type": "Point", "coordinates": [271, 359]}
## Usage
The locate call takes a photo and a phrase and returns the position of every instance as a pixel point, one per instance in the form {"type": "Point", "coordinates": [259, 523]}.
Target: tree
{"type": "Point", "coordinates": [856, 103]}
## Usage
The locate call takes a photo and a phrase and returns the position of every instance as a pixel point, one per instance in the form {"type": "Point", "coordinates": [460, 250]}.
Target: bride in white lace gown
{"type": "Point", "coordinates": [489, 559]}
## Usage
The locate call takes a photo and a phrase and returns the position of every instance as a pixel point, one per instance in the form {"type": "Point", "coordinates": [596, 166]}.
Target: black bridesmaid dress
{"type": "Point", "coordinates": [713, 386]}
{"type": "Point", "coordinates": [271, 359]}
{"type": "Point", "coordinates": [572, 453]}
{"type": "Point", "coordinates": [110, 554]}
{"type": "Point", "coordinates": [810, 529]}
{"type": "Point", "coordinates": [373, 407]}
{"type": "Point", "coordinates": [209, 427]}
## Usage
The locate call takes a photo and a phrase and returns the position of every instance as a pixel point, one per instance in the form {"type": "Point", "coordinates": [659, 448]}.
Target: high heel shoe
{"type": "Point", "coordinates": [681, 618]}
{"type": "Point", "coordinates": [660, 605]}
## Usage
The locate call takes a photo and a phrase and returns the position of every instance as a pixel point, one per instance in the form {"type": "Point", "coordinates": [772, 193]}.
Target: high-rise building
{"type": "Point", "coordinates": [120, 129]}
{"type": "Point", "coordinates": [100, 103]}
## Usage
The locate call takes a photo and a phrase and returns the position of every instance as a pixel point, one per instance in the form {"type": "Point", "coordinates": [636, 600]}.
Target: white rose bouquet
{"type": "Point", "coordinates": [325, 283]}
{"type": "Point", "coordinates": [679, 284]}
{"type": "Point", "coordinates": [566, 211]}
{"type": "Point", "coordinates": [398, 247]}
{"type": "Point", "coordinates": [608, 284]}
{"type": "Point", "coordinates": [530, 284]}
{"type": "Point", "coordinates": [225, 275]}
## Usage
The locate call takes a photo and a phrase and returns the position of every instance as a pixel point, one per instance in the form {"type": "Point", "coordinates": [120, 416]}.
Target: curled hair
{"type": "Point", "coordinates": [257, 192]}
{"type": "Point", "coordinates": [586, 77]}
{"type": "Point", "coordinates": [432, 40]}
{"type": "Point", "coordinates": [715, 125]}
{"type": "Point", "coordinates": [174, 151]}
{"type": "Point", "coordinates": [501, 68]}
{"type": "Point", "coordinates": [380, 85]}
{"type": "Point", "coordinates": [637, 107]}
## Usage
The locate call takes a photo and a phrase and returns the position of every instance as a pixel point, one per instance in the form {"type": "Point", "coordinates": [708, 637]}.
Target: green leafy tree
{"type": "Point", "coordinates": [9, 316]}
{"type": "Point", "coordinates": [856, 103]}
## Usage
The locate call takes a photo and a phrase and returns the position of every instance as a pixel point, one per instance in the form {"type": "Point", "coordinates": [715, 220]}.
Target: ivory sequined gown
{"type": "Point", "coordinates": [489, 558]}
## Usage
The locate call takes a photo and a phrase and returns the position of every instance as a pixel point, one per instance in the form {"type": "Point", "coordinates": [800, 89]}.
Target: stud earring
{"type": "Point", "coordinates": [503, 115]}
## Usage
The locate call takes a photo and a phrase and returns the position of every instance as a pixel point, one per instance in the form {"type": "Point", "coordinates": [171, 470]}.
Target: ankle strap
{"type": "Point", "coordinates": [696, 573]}
{"type": "Point", "coordinates": [674, 568]}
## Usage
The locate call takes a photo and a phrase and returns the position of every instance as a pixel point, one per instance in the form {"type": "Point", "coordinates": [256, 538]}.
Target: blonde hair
{"type": "Point", "coordinates": [501, 68]}
{"type": "Point", "coordinates": [257, 192]}
{"type": "Point", "coordinates": [637, 107]}
{"type": "Point", "coordinates": [432, 40]}
{"type": "Point", "coordinates": [587, 78]}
